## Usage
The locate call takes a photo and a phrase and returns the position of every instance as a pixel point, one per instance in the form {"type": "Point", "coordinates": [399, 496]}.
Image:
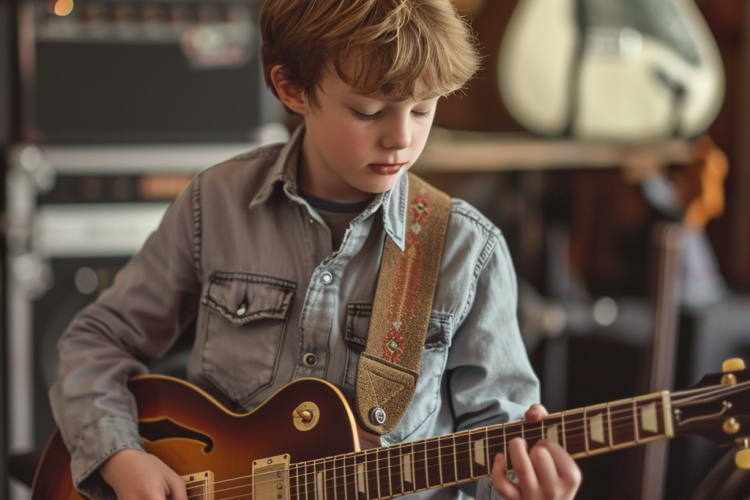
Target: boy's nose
{"type": "Point", "coordinates": [397, 135]}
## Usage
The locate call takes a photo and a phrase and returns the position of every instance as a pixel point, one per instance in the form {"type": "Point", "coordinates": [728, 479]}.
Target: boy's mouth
{"type": "Point", "coordinates": [386, 168]}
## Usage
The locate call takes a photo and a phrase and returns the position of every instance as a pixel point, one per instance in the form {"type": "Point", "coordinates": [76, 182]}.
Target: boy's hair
{"type": "Point", "coordinates": [401, 48]}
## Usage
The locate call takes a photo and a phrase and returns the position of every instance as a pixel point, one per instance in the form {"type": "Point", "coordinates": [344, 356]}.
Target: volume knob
{"type": "Point", "coordinates": [732, 365]}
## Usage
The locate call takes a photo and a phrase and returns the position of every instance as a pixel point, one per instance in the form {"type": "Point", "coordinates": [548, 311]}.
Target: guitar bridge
{"type": "Point", "coordinates": [271, 478]}
{"type": "Point", "coordinates": [200, 486]}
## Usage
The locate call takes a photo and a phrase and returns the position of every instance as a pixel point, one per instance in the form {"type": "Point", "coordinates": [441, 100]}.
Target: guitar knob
{"type": "Point", "coordinates": [742, 459]}
{"type": "Point", "coordinates": [733, 364]}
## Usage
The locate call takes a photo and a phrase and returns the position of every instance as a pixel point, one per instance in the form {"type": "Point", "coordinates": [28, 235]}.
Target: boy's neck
{"type": "Point", "coordinates": [314, 177]}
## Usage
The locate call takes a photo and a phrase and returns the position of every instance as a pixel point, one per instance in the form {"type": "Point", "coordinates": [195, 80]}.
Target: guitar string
{"type": "Point", "coordinates": [493, 442]}
{"type": "Point", "coordinates": [712, 392]}
{"type": "Point", "coordinates": [337, 486]}
{"type": "Point", "coordinates": [569, 413]}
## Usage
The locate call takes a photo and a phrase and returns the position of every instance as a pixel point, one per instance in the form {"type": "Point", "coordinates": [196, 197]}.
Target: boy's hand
{"type": "Point", "coordinates": [546, 472]}
{"type": "Point", "coordinates": [137, 475]}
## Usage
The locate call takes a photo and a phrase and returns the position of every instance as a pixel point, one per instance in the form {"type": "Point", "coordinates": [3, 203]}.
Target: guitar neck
{"type": "Point", "coordinates": [469, 455]}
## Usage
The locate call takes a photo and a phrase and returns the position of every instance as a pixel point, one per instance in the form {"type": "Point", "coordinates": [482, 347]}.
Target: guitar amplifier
{"type": "Point", "coordinates": [158, 71]}
{"type": "Point", "coordinates": [75, 214]}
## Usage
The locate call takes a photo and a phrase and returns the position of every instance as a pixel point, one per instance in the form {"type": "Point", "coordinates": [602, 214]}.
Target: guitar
{"type": "Point", "coordinates": [611, 69]}
{"type": "Point", "coordinates": [302, 443]}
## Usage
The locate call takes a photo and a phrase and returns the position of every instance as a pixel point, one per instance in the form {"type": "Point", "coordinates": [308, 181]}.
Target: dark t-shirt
{"type": "Point", "coordinates": [336, 214]}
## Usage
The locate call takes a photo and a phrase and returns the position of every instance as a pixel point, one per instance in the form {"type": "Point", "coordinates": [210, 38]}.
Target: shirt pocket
{"type": "Point", "coordinates": [434, 357]}
{"type": "Point", "coordinates": [245, 327]}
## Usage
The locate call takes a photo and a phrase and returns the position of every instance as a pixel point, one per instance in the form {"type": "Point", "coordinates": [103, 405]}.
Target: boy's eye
{"type": "Point", "coordinates": [420, 114]}
{"type": "Point", "coordinates": [364, 117]}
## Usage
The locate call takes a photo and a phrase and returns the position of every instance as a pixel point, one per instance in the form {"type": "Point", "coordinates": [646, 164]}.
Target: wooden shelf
{"type": "Point", "coordinates": [459, 151]}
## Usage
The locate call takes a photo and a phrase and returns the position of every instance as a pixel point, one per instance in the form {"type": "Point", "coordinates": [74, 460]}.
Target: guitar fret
{"type": "Point", "coordinates": [595, 427]}
{"type": "Point", "coordinates": [400, 459]}
{"type": "Point", "coordinates": [624, 431]}
{"type": "Point", "coordinates": [350, 477]}
{"type": "Point", "coordinates": [575, 433]}
{"type": "Point", "coordinates": [472, 459]}
{"type": "Point", "coordinates": [433, 462]}
{"type": "Point", "coordinates": [394, 468]}
{"type": "Point", "coordinates": [293, 482]}
{"type": "Point", "coordinates": [506, 456]}
{"type": "Point", "coordinates": [361, 478]}
{"type": "Point", "coordinates": [585, 432]}
{"type": "Point", "coordinates": [383, 472]}
{"type": "Point", "coordinates": [307, 481]}
{"type": "Point", "coordinates": [448, 460]}
{"type": "Point", "coordinates": [609, 425]}
{"type": "Point", "coordinates": [462, 457]}
{"type": "Point", "coordinates": [455, 460]}
{"type": "Point", "coordinates": [320, 483]}
{"type": "Point", "coordinates": [330, 479]}
{"type": "Point", "coordinates": [562, 422]}
{"type": "Point", "coordinates": [407, 467]}
{"type": "Point", "coordinates": [635, 423]}
{"type": "Point", "coordinates": [371, 473]}
{"type": "Point", "coordinates": [487, 448]}
{"type": "Point", "coordinates": [419, 465]}
{"type": "Point", "coordinates": [388, 471]}
{"type": "Point", "coordinates": [440, 460]}
{"type": "Point", "coordinates": [339, 478]}
{"type": "Point", "coordinates": [533, 433]}
{"type": "Point", "coordinates": [494, 444]}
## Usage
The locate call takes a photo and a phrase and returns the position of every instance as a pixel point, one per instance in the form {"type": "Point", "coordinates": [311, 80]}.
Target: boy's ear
{"type": "Point", "coordinates": [292, 97]}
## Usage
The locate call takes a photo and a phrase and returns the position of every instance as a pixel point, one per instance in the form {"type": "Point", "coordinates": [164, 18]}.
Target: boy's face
{"type": "Point", "coordinates": [356, 146]}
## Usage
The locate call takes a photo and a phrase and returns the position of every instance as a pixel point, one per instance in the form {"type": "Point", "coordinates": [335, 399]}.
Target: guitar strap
{"type": "Point", "coordinates": [388, 368]}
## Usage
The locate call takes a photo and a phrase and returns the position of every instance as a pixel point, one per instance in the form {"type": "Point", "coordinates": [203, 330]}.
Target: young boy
{"type": "Point", "coordinates": [277, 252]}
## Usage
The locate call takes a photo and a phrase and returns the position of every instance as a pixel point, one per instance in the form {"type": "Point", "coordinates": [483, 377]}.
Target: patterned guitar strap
{"type": "Point", "coordinates": [388, 368]}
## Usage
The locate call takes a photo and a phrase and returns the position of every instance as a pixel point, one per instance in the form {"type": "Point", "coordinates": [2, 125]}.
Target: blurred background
{"type": "Point", "coordinates": [604, 137]}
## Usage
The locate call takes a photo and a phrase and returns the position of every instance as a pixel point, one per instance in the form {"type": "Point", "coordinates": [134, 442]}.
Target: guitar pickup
{"type": "Point", "coordinates": [200, 486]}
{"type": "Point", "coordinates": [271, 478]}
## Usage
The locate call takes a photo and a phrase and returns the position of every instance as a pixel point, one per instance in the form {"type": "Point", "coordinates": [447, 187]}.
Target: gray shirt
{"type": "Point", "coordinates": [244, 253]}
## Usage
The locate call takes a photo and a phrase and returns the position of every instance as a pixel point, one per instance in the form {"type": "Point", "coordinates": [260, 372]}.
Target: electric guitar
{"type": "Point", "coordinates": [302, 443]}
{"type": "Point", "coordinates": [626, 70]}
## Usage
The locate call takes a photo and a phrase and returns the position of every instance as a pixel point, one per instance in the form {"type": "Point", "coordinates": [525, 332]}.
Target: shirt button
{"type": "Point", "coordinates": [310, 359]}
{"type": "Point", "coordinates": [242, 309]}
{"type": "Point", "coordinates": [326, 278]}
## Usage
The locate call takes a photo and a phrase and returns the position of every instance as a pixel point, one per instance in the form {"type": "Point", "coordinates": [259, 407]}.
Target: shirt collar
{"type": "Point", "coordinates": [284, 171]}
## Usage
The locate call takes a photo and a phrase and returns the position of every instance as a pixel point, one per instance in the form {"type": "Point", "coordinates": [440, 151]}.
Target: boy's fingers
{"type": "Point", "coordinates": [177, 488]}
{"type": "Point", "coordinates": [500, 480]}
{"type": "Point", "coordinates": [567, 468]}
{"type": "Point", "coordinates": [546, 472]}
{"type": "Point", "coordinates": [524, 469]}
{"type": "Point", "coordinates": [535, 413]}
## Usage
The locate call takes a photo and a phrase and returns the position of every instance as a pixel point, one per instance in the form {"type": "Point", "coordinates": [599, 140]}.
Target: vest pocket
{"type": "Point", "coordinates": [245, 327]}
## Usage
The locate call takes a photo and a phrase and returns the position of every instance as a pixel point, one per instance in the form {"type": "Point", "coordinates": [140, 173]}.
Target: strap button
{"type": "Point", "coordinates": [377, 416]}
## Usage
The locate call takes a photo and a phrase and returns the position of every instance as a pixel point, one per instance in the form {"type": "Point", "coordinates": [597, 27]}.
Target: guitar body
{"type": "Point", "coordinates": [302, 443]}
{"type": "Point", "coordinates": [191, 432]}
{"type": "Point", "coordinates": [624, 70]}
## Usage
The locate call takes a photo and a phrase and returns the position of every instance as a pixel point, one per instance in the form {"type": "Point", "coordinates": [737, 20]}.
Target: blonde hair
{"type": "Point", "coordinates": [399, 48]}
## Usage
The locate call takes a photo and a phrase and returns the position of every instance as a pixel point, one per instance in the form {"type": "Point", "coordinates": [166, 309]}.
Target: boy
{"type": "Point", "coordinates": [277, 252]}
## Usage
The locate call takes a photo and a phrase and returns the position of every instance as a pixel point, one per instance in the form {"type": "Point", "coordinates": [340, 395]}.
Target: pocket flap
{"type": "Point", "coordinates": [358, 324]}
{"type": "Point", "coordinates": [245, 297]}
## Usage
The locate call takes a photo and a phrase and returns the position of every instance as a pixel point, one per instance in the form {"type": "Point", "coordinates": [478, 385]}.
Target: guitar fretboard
{"type": "Point", "coordinates": [469, 455]}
